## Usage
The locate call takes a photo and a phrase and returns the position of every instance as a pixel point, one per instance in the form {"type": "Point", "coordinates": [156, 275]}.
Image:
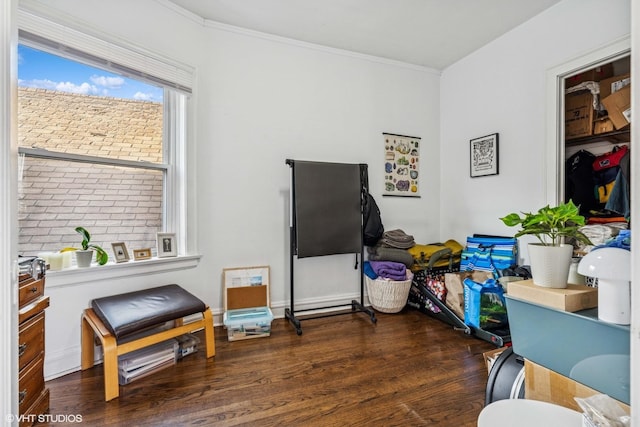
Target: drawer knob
{"type": "Point", "coordinates": [34, 290]}
{"type": "Point", "coordinates": [21, 349]}
{"type": "Point", "coordinates": [21, 396]}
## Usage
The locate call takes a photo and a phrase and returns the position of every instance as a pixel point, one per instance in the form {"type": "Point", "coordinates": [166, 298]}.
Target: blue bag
{"type": "Point", "coordinates": [491, 254]}
{"type": "Point", "coordinates": [484, 304]}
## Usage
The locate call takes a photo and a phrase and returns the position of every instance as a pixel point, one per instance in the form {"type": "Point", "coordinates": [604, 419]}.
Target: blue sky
{"type": "Point", "coordinates": [43, 70]}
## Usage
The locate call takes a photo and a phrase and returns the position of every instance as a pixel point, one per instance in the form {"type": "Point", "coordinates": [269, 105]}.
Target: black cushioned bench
{"type": "Point", "coordinates": [115, 318]}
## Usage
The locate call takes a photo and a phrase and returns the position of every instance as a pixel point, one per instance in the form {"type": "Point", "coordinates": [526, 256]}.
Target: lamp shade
{"type": "Point", "coordinates": [607, 263]}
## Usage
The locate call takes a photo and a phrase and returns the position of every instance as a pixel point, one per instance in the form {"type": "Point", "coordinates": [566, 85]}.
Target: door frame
{"type": "Point", "coordinates": [555, 143]}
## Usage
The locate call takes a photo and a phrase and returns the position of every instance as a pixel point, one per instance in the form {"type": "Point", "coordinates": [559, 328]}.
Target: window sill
{"type": "Point", "coordinates": [74, 275]}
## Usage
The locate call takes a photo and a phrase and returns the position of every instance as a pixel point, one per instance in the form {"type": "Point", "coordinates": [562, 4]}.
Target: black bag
{"type": "Point", "coordinates": [372, 222]}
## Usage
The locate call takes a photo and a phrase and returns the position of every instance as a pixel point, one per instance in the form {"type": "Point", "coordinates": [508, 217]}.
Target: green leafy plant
{"type": "Point", "coordinates": [101, 255]}
{"type": "Point", "coordinates": [550, 225]}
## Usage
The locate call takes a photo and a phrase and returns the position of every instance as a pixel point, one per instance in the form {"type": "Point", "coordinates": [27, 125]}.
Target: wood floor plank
{"type": "Point", "coordinates": [408, 369]}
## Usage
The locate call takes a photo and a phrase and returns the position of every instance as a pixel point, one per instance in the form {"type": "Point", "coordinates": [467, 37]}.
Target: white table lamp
{"type": "Point", "coordinates": [612, 267]}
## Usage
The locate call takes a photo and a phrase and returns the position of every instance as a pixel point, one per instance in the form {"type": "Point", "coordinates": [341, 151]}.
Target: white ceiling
{"type": "Point", "coordinates": [430, 33]}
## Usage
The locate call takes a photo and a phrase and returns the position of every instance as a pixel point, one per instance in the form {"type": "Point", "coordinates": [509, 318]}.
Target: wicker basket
{"type": "Point", "coordinates": [388, 296]}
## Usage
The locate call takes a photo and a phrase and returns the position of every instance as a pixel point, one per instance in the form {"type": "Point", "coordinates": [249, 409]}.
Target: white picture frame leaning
{"type": "Point", "coordinates": [120, 252]}
{"type": "Point", "coordinates": [166, 245]}
{"type": "Point", "coordinates": [483, 156]}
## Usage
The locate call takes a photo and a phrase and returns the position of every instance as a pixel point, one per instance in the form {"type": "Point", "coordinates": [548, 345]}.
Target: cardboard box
{"type": "Point", "coordinates": [612, 84]}
{"type": "Point", "coordinates": [549, 386]}
{"type": "Point", "coordinates": [491, 356]}
{"type": "Point", "coordinates": [602, 125]}
{"type": "Point", "coordinates": [593, 75]}
{"type": "Point", "coordinates": [573, 298]}
{"type": "Point", "coordinates": [618, 105]}
{"type": "Point", "coordinates": [578, 114]}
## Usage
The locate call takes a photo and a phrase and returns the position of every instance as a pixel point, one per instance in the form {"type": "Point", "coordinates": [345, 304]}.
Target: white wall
{"type": "Point", "coordinates": [264, 102]}
{"type": "Point", "coordinates": [502, 88]}
{"type": "Point", "coordinates": [258, 101]}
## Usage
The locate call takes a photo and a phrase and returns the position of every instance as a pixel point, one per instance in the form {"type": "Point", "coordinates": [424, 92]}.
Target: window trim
{"type": "Point", "coordinates": [94, 274]}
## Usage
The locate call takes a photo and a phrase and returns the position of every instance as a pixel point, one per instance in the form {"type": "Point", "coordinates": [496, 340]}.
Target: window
{"type": "Point", "coordinates": [98, 144]}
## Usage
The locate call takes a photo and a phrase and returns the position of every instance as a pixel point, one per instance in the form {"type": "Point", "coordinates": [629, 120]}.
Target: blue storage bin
{"type": "Point", "coordinates": [245, 323]}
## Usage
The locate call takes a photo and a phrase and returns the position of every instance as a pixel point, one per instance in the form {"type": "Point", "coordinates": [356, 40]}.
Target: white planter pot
{"type": "Point", "coordinates": [550, 264]}
{"type": "Point", "coordinates": [83, 258]}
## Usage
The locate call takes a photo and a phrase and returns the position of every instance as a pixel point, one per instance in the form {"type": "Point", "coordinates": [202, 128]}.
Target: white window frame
{"type": "Point", "coordinates": [177, 79]}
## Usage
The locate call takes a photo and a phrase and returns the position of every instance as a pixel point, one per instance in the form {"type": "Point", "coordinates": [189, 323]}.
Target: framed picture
{"type": "Point", "coordinates": [139, 254]}
{"type": "Point", "coordinates": [166, 245]}
{"type": "Point", "coordinates": [483, 155]}
{"type": "Point", "coordinates": [120, 252]}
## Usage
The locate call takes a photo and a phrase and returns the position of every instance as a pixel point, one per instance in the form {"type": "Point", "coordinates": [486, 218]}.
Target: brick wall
{"type": "Point", "coordinates": [115, 204]}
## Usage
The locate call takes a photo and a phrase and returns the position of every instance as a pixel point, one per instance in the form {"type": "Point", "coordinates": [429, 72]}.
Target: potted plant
{"type": "Point", "coordinates": [550, 257]}
{"type": "Point", "coordinates": [84, 255]}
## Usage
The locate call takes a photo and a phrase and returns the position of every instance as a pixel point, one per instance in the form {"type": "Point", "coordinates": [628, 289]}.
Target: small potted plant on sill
{"type": "Point", "coordinates": [84, 255]}
{"type": "Point", "coordinates": [550, 258]}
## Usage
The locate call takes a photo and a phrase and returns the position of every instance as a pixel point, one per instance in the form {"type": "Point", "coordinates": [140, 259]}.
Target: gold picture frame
{"type": "Point", "coordinates": [140, 254]}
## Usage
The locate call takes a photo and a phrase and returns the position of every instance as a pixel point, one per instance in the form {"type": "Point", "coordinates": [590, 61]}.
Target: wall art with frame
{"type": "Point", "coordinates": [401, 165]}
{"type": "Point", "coordinates": [483, 156]}
{"type": "Point", "coordinates": [166, 244]}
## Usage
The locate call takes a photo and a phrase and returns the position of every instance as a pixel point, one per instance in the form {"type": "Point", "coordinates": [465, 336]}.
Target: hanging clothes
{"type": "Point", "coordinates": [579, 181]}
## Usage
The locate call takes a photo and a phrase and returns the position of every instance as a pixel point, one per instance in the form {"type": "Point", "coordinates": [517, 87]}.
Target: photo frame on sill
{"type": "Point", "coordinates": [483, 156]}
{"type": "Point", "coordinates": [120, 252]}
{"type": "Point", "coordinates": [140, 254]}
{"type": "Point", "coordinates": [166, 244]}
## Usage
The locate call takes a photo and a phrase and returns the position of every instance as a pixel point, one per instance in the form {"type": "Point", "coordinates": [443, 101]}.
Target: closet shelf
{"type": "Point", "coordinates": [614, 137]}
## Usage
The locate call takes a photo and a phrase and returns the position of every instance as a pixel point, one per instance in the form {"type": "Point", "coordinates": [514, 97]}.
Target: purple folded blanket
{"type": "Point", "coordinates": [389, 270]}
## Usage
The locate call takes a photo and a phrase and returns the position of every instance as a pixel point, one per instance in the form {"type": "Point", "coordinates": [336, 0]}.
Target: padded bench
{"type": "Point", "coordinates": [115, 318]}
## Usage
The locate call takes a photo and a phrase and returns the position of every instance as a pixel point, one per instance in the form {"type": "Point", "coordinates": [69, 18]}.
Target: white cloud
{"type": "Point", "coordinates": [141, 96]}
{"type": "Point", "coordinates": [82, 89]}
{"type": "Point", "coordinates": [40, 84]}
{"type": "Point", "coordinates": [110, 82]}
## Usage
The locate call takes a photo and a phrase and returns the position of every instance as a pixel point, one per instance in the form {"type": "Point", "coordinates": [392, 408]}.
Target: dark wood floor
{"type": "Point", "coordinates": [408, 369]}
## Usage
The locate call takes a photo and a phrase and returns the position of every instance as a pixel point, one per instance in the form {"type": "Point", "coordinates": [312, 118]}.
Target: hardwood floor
{"type": "Point", "coordinates": [408, 369]}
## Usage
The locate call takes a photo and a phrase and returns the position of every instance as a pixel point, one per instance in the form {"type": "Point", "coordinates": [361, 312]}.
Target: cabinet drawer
{"type": "Point", "coordinates": [30, 340]}
{"type": "Point", "coordinates": [29, 291]}
{"type": "Point", "coordinates": [40, 406]}
{"type": "Point", "coordinates": [30, 383]}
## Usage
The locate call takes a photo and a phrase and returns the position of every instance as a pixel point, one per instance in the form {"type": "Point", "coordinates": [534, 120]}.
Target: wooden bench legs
{"type": "Point", "coordinates": [93, 326]}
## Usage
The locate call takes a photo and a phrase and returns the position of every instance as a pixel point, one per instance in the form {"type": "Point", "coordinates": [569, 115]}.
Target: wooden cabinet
{"type": "Point", "coordinates": [33, 396]}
